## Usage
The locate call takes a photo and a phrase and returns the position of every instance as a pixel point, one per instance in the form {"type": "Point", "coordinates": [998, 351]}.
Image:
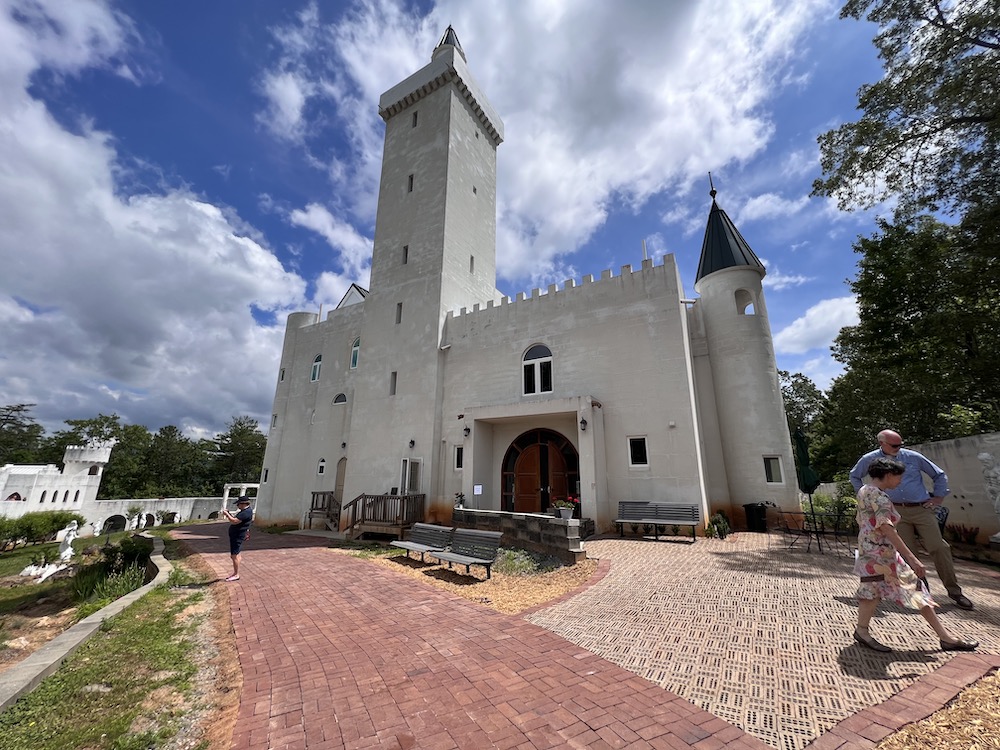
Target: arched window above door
{"type": "Point", "coordinates": [537, 370]}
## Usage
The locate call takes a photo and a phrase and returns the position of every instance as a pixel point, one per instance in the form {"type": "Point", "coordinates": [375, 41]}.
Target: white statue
{"type": "Point", "coordinates": [66, 546]}
{"type": "Point", "coordinates": [991, 483]}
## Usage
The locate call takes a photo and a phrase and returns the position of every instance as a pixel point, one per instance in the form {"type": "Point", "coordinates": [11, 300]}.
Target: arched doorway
{"type": "Point", "coordinates": [539, 466]}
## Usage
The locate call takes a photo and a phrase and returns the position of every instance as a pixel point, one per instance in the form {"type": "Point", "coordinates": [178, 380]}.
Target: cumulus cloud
{"type": "Point", "coordinates": [677, 89]}
{"type": "Point", "coordinates": [818, 327]}
{"type": "Point", "coordinates": [770, 206]}
{"type": "Point", "coordinates": [116, 301]}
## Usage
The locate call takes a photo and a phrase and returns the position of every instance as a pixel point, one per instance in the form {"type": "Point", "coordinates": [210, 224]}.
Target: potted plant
{"type": "Point", "coordinates": [565, 506]}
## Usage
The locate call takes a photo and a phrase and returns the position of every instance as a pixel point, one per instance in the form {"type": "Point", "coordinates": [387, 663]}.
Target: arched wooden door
{"type": "Point", "coordinates": [539, 466]}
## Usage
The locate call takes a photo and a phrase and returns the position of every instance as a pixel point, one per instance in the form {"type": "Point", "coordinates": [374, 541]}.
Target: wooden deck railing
{"type": "Point", "coordinates": [383, 514]}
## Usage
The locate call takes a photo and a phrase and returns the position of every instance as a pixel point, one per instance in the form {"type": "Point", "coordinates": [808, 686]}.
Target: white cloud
{"type": "Point", "coordinates": [818, 327]}
{"type": "Point", "coordinates": [677, 89]}
{"type": "Point", "coordinates": [770, 206]}
{"type": "Point", "coordinates": [135, 303]}
{"type": "Point", "coordinates": [353, 250]}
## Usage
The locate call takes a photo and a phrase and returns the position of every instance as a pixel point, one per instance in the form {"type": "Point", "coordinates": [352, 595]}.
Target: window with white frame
{"type": "Point", "coordinates": [340, 398]}
{"type": "Point", "coordinates": [638, 456]}
{"type": "Point", "coordinates": [355, 350]}
{"type": "Point", "coordinates": [317, 364]}
{"type": "Point", "coordinates": [321, 466]}
{"type": "Point", "coordinates": [537, 370]}
{"type": "Point", "coordinates": [772, 470]}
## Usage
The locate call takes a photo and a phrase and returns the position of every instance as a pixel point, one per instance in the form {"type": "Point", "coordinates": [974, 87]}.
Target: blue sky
{"type": "Point", "coordinates": [175, 178]}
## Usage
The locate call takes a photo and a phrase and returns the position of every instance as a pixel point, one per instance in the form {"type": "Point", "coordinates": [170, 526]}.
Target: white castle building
{"type": "Point", "coordinates": [433, 383]}
{"type": "Point", "coordinates": [25, 488]}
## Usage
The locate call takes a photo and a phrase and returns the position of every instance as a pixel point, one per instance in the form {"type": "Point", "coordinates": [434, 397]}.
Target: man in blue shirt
{"type": "Point", "coordinates": [916, 506]}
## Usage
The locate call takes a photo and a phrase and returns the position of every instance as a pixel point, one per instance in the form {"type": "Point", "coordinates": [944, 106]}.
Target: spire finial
{"type": "Point", "coordinates": [712, 191]}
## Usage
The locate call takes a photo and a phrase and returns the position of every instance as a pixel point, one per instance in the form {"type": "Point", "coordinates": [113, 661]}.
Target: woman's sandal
{"type": "Point", "coordinates": [233, 578]}
{"type": "Point", "coordinates": [959, 645]}
{"type": "Point", "coordinates": [867, 640]}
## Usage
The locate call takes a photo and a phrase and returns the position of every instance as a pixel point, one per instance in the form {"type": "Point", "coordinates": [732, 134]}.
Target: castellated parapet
{"type": "Point", "coordinates": [628, 283]}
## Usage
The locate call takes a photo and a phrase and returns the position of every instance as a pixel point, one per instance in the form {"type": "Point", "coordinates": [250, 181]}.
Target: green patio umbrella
{"type": "Point", "coordinates": [807, 476]}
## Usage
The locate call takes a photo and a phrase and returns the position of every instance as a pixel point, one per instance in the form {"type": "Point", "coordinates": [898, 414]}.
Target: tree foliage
{"type": "Point", "coordinates": [803, 400]}
{"type": "Point", "coordinates": [929, 133]}
{"type": "Point", "coordinates": [924, 358]}
{"type": "Point", "coordinates": [19, 434]}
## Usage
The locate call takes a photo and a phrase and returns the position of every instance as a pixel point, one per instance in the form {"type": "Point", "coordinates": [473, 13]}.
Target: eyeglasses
{"type": "Point", "coordinates": [895, 445]}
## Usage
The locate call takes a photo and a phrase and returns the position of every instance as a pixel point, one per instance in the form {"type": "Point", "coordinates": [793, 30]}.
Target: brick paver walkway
{"type": "Point", "coordinates": [338, 653]}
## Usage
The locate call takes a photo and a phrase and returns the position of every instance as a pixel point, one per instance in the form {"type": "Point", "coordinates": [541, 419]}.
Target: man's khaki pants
{"type": "Point", "coordinates": [918, 521]}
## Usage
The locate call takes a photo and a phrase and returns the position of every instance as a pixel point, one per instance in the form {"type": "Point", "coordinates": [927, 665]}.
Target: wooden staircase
{"type": "Point", "coordinates": [383, 514]}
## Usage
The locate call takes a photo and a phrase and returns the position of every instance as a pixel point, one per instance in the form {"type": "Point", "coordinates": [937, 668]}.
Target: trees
{"type": "Point", "coordinates": [924, 358]}
{"type": "Point", "coordinates": [240, 451]}
{"type": "Point", "coordinates": [19, 434]}
{"type": "Point", "coordinates": [929, 132]}
{"type": "Point", "coordinates": [803, 400]}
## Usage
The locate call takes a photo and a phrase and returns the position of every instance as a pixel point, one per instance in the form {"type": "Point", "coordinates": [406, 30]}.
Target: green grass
{"type": "Point", "coordinates": [519, 562]}
{"type": "Point", "coordinates": [99, 692]}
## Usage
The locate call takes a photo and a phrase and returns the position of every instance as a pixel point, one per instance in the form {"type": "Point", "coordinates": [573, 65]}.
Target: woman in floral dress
{"type": "Point", "coordinates": [882, 561]}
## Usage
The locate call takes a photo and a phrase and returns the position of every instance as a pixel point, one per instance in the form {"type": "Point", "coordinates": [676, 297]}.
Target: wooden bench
{"type": "Point", "coordinates": [656, 515]}
{"type": "Point", "coordinates": [426, 537]}
{"type": "Point", "coordinates": [471, 547]}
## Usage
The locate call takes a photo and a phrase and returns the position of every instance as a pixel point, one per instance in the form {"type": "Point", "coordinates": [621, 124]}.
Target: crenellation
{"type": "Point", "coordinates": [552, 289]}
{"type": "Point", "coordinates": [647, 263]}
{"type": "Point", "coordinates": [626, 269]}
{"type": "Point", "coordinates": [605, 274]}
{"type": "Point", "coordinates": [569, 283]}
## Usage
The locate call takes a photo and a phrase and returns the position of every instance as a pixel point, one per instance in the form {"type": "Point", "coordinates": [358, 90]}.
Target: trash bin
{"type": "Point", "coordinates": [756, 517]}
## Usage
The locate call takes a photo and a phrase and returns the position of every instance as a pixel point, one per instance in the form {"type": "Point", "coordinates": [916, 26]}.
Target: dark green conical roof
{"type": "Point", "coordinates": [724, 246]}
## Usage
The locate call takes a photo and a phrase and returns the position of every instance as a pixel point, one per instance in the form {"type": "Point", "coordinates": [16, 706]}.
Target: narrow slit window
{"type": "Point", "coordinates": [355, 350]}
{"type": "Point", "coordinates": [399, 313]}
{"type": "Point", "coordinates": [472, 264]}
{"type": "Point", "coordinates": [406, 254]}
{"type": "Point", "coordinates": [409, 184]}
{"type": "Point", "coordinates": [392, 383]}
{"type": "Point", "coordinates": [459, 456]}
{"type": "Point", "coordinates": [317, 365]}
{"type": "Point", "coordinates": [414, 120]}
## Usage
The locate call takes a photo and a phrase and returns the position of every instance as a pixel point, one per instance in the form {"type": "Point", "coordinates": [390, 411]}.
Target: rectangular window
{"type": "Point", "coordinates": [472, 264]}
{"type": "Point", "coordinates": [409, 184]}
{"type": "Point", "coordinates": [459, 456]}
{"type": "Point", "coordinates": [281, 375]}
{"type": "Point", "coordinates": [264, 478]}
{"type": "Point", "coordinates": [772, 469]}
{"type": "Point", "coordinates": [545, 375]}
{"type": "Point", "coordinates": [399, 312]}
{"type": "Point", "coordinates": [414, 120]}
{"type": "Point", "coordinates": [637, 455]}
{"type": "Point", "coordinates": [406, 254]}
{"type": "Point", "coordinates": [392, 384]}
{"type": "Point", "coordinates": [274, 421]}
{"type": "Point", "coordinates": [529, 378]}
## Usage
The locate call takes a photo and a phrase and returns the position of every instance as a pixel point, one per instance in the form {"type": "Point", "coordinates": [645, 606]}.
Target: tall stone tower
{"type": "Point", "coordinates": [752, 426]}
{"type": "Point", "coordinates": [434, 251]}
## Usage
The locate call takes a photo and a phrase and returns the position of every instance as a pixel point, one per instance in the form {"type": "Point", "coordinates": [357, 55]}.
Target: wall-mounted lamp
{"type": "Point", "coordinates": [412, 442]}
{"type": "Point", "coordinates": [467, 430]}
{"type": "Point", "coordinates": [583, 425]}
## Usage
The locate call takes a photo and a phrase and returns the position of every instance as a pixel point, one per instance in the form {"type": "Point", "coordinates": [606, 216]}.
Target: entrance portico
{"type": "Point", "coordinates": [522, 456]}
